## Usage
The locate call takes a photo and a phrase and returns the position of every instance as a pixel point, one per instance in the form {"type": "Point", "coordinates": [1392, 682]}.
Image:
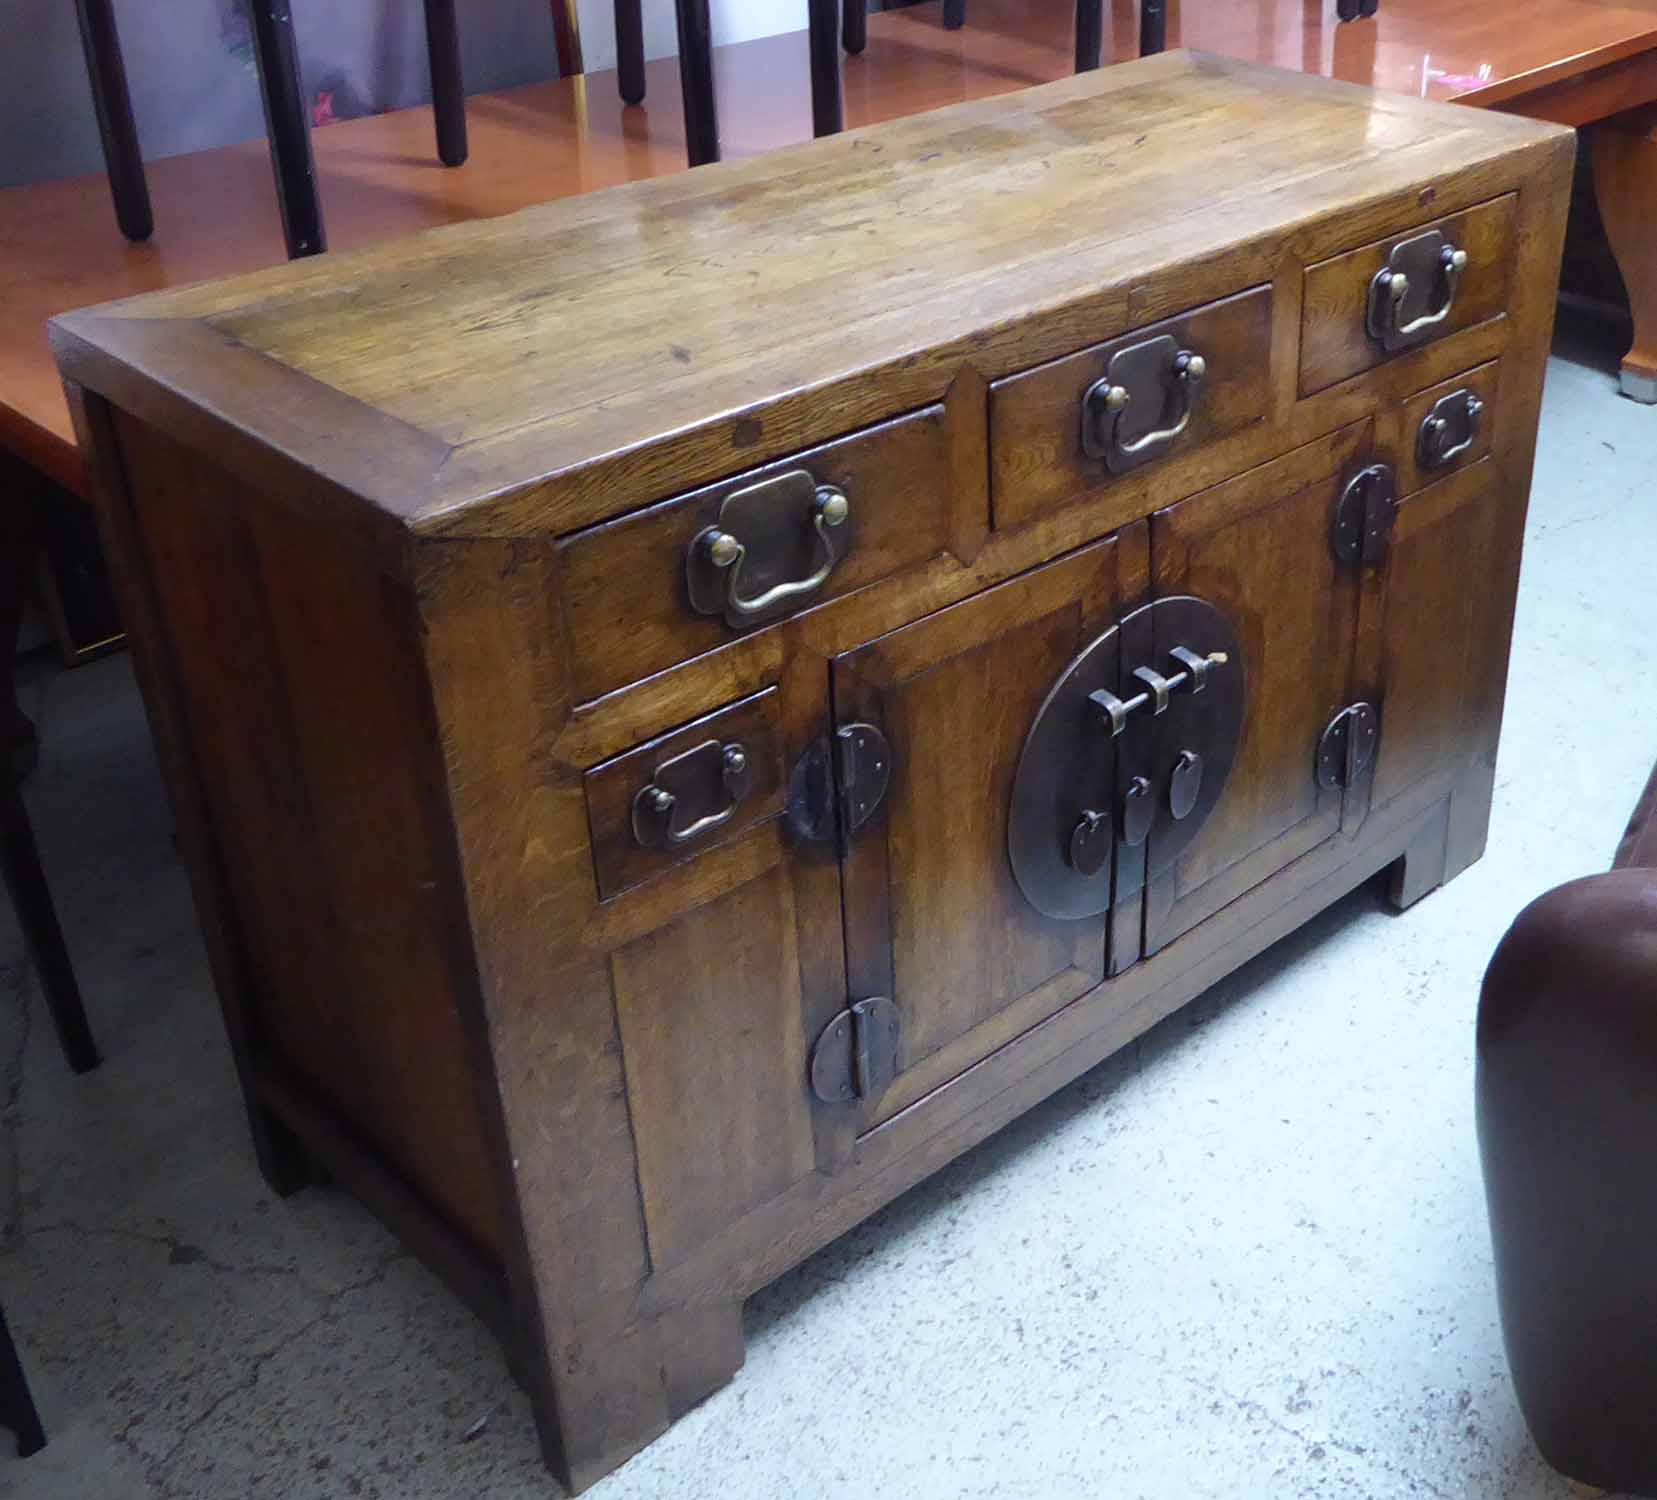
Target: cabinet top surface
{"type": "Point", "coordinates": [502, 375]}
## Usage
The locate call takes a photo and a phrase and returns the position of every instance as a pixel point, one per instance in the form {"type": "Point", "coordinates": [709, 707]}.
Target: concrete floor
{"type": "Point", "coordinates": [1246, 1257]}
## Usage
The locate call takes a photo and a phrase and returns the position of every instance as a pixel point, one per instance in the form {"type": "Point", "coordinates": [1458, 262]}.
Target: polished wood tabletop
{"type": "Point", "coordinates": [216, 211]}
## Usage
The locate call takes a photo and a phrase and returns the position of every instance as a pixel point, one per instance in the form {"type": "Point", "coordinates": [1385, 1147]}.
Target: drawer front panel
{"type": "Point", "coordinates": [1336, 337]}
{"type": "Point", "coordinates": [1039, 458]}
{"type": "Point", "coordinates": [684, 792]}
{"type": "Point", "coordinates": [628, 605]}
{"type": "Point", "coordinates": [1465, 406]}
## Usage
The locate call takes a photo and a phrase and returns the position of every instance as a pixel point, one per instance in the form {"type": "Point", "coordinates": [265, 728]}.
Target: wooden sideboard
{"type": "Point", "coordinates": [691, 706]}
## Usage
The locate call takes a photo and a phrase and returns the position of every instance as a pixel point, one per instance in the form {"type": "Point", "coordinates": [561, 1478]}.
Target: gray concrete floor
{"type": "Point", "coordinates": [1246, 1257]}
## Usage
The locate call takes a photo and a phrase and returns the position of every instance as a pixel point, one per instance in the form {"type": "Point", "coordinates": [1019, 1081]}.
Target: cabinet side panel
{"type": "Point", "coordinates": [297, 673]}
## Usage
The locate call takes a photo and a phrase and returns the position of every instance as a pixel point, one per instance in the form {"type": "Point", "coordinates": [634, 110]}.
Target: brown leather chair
{"type": "Point", "coordinates": [1567, 1116]}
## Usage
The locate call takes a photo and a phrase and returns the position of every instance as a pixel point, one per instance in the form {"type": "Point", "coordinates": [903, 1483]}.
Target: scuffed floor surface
{"type": "Point", "coordinates": [1246, 1257]}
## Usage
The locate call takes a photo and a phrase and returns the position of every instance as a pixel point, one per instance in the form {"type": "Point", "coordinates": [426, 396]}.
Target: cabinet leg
{"type": "Point", "coordinates": [1420, 869]}
{"type": "Point", "coordinates": [613, 1392]}
{"type": "Point", "coordinates": [1624, 157]}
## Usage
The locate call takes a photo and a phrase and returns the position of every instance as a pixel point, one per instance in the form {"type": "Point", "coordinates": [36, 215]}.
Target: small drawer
{"type": "Point", "coordinates": [666, 801]}
{"type": "Point", "coordinates": [1452, 273]}
{"type": "Point", "coordinates": [652, 589]}
{"type": "Point", "coordinates": [1446, 427]}
{"type": "Point", "coordinates": [1066, 429]}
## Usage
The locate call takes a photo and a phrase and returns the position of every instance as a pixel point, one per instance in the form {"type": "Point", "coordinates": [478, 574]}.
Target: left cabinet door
{"type": "Point", "coordinates": [934, 918]}
{"type": "Point", "coordinates": [722, 943]}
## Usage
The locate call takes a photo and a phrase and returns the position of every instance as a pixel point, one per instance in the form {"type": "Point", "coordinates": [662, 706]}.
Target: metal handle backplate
{"type": "Point", "coordinates": [1449, 429]}
{"type": "Point", "coordinates": [1422, 271]}
{"type": "Point", "coordinates": [691, 795]}
{"type": "Point", "coordinates": [731, 567]}
{"type": "Point", "coordinates": [1155, 375]}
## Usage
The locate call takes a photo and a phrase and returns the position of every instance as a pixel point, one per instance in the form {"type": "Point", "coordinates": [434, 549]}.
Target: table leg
{"type": "Point", "coordinates": [854, 36]}
{"type": "Point", "coordinates": [630, 50]}
{"type": "Point", "coordinates": [288, 125]}
{"type": "Point", "coordinates": [108, 74]}
{"type": "Point", "coordinates": [696, 79]}
{"type": "Point", "coordinates": [448, 86]}
{"type": "Point", "coordinates": [1624, 154]}
{"type": "Point", "coordinates": [17, 1405]}
{"type": "Point", "coordinates": [827, 109]}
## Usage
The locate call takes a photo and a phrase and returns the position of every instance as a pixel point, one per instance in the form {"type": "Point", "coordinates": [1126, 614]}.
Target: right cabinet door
{"type": "Point", "coordinates": [1259, 549]}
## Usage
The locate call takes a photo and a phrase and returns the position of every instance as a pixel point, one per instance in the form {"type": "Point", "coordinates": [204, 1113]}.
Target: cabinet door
{"type": "Point", "coordinates": [1258, 548]}
{"type": "Point", "coordinates": [934, 918]}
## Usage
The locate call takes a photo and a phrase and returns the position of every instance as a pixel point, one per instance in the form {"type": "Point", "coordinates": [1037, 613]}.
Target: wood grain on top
{"type": "Point", "coordinates": [605, 350]}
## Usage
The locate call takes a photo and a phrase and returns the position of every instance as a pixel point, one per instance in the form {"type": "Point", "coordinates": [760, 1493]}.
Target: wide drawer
{"type": "Point", "coordinates": [1070, 428]}
{"type": "Point", "coordinates": [652, 589]}
{"type": "Point", "coordinates": [1392, 295]}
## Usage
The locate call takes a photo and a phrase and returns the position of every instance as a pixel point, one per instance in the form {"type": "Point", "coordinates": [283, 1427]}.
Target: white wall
{"type": "Point", "coordinates": [733, 21]}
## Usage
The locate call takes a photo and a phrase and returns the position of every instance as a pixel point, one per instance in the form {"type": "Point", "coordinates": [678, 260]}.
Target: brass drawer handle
{"type": "Point", "coordinates": [759, 521]}
{"type": "Point", "coordinates": [1410, 263]}
{"type": "Point", "coordinates": [1460, 410]}
{"type": "Point", "coordinates": [710, 776]}
{"type": "Point", "coordinates": [1156, 370]}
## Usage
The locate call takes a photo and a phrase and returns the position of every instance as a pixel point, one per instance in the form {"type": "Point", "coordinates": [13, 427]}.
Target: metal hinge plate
{"type": "Point", "coordinates": [838, 784]}
{"type": "Point", "coordinates": [857, 1054]}
{"type": "Point", "coordinates": [1346, 749]}
{"type": "Point", "coordinates": [1363, 517]}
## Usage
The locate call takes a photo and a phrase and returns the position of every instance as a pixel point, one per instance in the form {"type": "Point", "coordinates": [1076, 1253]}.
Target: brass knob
{"type": "Point", "coordinates": [832, 506]}
{"type": "Point", "coordinates": [1195, 367]}
{"type": "Point", "coordinates": [736, 759]}
{"type": "Point", "coordinates": [1117, 398]}
{"type": "Point", "coordinates": [722, 548]}
{"type": "Point", "coordinates": [1458, 260]}
{"type": "Point", "coordinates": [661, 800]}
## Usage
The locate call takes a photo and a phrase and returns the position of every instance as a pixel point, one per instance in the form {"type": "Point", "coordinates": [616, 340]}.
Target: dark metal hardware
{"type": "Point", "coordinates": [1057, 831]}
{"type": "Point", "coordinates": [758, 541]}
{"type": "Point", "coordinates": [838, 783]}
{"type": "Point", "coordinates": [691, 794]}
{"type": "Point", "coordinates": [1413, 292]}
{"type": "Point", "coordinates": [1363, 517]}
{"type": "Point", "coordinates": [1346, 749]}
{"type": "Point", "coordinates": [1143, 403]}
{"type": "Point", "coordinates": [1449, 429]}
{"type": "Point", "coordinates": [1184, 784]}
{"type": "Point", "coordinates": [856, 1054]}
{"type": "Point", "coordinates": [1090, 843]}
{"type": "Point", "coordinates": [1138, 809]}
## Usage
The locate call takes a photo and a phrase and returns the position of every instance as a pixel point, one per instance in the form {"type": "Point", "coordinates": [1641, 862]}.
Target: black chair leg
{"type": "Point", "coordinates": [696, 79]}
{"type": "Point", "coordinates": [854, 35]}
{"type": "Point", "coordinates": [1090, 34]}
{"type": "Point", "coordinates": [448, 85]}
{"type": "Point", "coordinates": [108, 74]}
{"type": "Point", "coordinates": [827, 112]}
{"type": "Point", "coordinates": [1153, 26]}
{"type": "Point", "coordinates": [630, 50]}
{"type": "Point", "coordinates": [17, 1405]}
{"type": "Point", "coordinates": [26, 883]}
{"type": "Point", "coordinates": [955, 14]}
{"type": "Point", "coordinates": [288, 127]}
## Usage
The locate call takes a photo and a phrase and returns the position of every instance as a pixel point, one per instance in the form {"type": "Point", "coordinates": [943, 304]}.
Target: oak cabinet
{"type": "Point", "coordinates": [688, 708]}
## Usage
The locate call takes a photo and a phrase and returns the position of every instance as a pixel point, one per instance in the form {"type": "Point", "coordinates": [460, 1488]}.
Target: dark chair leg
{"type": "Point", "coordinates": [955, 14]}
{"type": "Point", "coordinates": [17, 1405]}
{"type": "Point", "coordinates": [827, 111]}
{"type": "Point", "coordinates": [696, 78]}
{"type": "Point", "coordinates": [448, 86]}
{"type": "Point", "coordinates": [854, 36]}
{"type": "Point", "coordinates": [288, 127]}
{"type": "Point", "coordinates": [1090, 34]}
{"type": "Point", "coordinates": [1153, 26]}
{"type": "Point", "coordinates": [26, 883]}
{"type": "Point", "coordinates": [630, 50]}
{"type": "Point", "coordinates": [108, 74]}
